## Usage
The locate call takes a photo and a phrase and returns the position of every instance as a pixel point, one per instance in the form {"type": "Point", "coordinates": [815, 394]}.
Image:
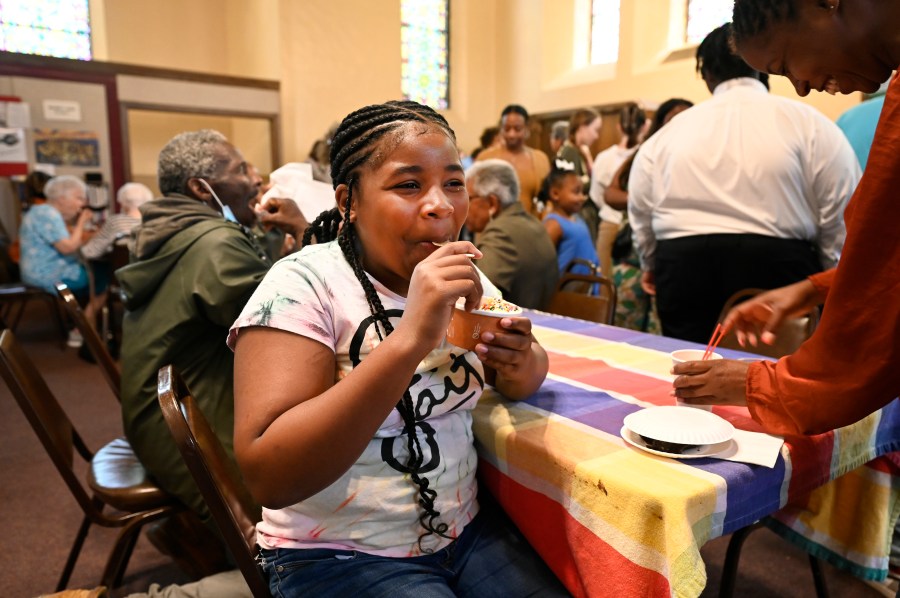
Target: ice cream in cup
{"type": "Point", "coordinates": [466, 327]}
{"type": "Point", "coordinates": [682, 355]}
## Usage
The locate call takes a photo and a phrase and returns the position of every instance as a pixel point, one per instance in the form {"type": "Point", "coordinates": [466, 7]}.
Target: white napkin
{"type": "Point", "coordinates": [753, 447]}
{"type": "Point", "coordinates": [294, 181]}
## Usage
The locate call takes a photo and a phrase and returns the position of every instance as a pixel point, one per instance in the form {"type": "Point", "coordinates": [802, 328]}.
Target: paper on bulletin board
{"type": "Point", "coordinates": [12, 146]}
{"type": "Point", "coordinates": [15, 115]}
{"type": "Point", "coordinates": [62, 110]}
{"type": "Point", "coordinates": [66, 148]}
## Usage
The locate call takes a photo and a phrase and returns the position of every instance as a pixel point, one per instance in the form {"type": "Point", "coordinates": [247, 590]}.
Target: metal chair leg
{"type": "Point", "coordinates": [121, 554]}
{"type": "Point", "coordinates": [818, 577]}
{"type": "Point", "coordinates": [732, 558]}
{"type": "Point", "coordinates": [73, 554]}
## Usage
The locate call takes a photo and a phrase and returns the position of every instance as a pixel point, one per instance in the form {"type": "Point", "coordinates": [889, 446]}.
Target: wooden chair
{"type": "Point", "coordinates": [572, 298]}
{"type": "Point", "coordinates": [788, 338]}
{"type": "Point", "coordinates": [95, 344]}
{"type": "Point", "coordinates": [115, 477]}
{"type": "Point", "coordinates": [14, 296]}
{"type": "Point", "coordinates": [114, 309]}
{"type": "Point", "coordinates": [578, 261]}
{"type": "Point", "coordinates": [219, 482]}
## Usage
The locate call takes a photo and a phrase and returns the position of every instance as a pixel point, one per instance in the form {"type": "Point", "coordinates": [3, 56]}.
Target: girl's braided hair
{"type": "Point", "coordinates": [360, 135]}
{"type": "Point", "coordinates": [752, 17]}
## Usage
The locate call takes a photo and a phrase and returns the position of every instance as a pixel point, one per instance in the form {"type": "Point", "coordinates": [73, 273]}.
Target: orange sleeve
{"type": "Point", "coordinates": [823, 281]}
{"type": "Point", "coordinates": [850, 367]}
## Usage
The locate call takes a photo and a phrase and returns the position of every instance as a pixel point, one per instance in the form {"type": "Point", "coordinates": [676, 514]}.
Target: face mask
{"type": "Point", "coordinates": [226, 210]}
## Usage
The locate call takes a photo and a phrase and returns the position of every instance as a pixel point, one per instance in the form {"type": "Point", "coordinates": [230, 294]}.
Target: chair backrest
{"type": "Point", "coordinates": [573, 298]}
{"type": "Point", "coordinates": [219, 482]}
{"type": "Point", "coordinates": [46, 416]}
{"type": "Point", "coordinates": [788, 338]}
{"type": "Point", "coordinates": [580, 261]}
{"type": "Point", "coordinates": [96, 346]}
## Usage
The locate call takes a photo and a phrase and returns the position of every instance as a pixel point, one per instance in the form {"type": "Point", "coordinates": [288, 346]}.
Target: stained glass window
{"type": "Point", "coordinates": [49, 27]}
{"type": "Point", "coordinates": [705, 15]}
{"type": "Point", "coordinates": [424, 51]}
{"type": "Point", "coordinates": [604, 31]}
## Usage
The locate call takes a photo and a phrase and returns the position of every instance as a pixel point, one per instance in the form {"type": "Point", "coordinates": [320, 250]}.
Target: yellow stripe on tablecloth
{"type": "Point", "coordinates": [604, 472]}
{"type": "Point", "coordinates": [617, 354]}
{"type": "Point", "coordinates": [824, 517]}
{"type": "Point", "coordinates": [855, 440]}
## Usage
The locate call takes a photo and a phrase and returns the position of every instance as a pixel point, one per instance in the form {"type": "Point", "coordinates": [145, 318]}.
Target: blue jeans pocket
{"type": "Point", "coordinates": [289, 571]}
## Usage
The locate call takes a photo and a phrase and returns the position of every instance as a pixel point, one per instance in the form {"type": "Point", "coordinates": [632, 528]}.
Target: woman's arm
{"type": "Point", "coordinates": [75, 240]}
{"type": "Point", "coordinates": [614, 195]}
{"type": "Point", "coordinates": [295, 430]}
{"type": "Point", "coordinates": [101, 243]}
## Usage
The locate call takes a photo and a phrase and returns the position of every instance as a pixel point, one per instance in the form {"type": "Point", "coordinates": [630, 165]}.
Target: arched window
{"type": "Point", "coordinates": [59, 28]}
{"type": "Point", "coordinates": [605, 31]}
{"type": "Point", "coordinates": [425, 51]}
{"type": "Point", "coordinates": [703, 16]}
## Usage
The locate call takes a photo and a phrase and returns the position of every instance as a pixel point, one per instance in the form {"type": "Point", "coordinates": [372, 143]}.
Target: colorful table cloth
{"type": "Point", "coordinates": [612, 520]}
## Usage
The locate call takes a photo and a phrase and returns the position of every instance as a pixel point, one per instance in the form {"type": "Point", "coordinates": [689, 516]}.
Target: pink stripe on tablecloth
{"type": "Point", "coordinates": [600, 570]}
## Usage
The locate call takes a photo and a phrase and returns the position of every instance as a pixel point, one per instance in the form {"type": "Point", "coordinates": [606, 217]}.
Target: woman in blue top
{"type": "Point", "coordinates": [563, 189]}
{"type": "Point", "coordinates": [50, 237]}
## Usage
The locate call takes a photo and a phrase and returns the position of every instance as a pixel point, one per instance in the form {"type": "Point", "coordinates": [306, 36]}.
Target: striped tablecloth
{"type": "Point", "coordinates": [612, 520]}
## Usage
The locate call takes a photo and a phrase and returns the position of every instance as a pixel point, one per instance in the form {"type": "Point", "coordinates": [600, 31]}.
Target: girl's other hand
{"type": "Point", "coordinates": [437, 283]}
{"type": "Point", "coordinates": [508, 351]}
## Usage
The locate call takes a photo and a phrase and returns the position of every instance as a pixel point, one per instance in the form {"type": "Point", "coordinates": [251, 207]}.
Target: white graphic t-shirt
{"type": "Point", "coordinates": [373, 506]}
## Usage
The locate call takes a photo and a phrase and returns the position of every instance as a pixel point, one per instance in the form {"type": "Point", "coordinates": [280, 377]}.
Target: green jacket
{"type": "Point", "coordinates": [191, 275]}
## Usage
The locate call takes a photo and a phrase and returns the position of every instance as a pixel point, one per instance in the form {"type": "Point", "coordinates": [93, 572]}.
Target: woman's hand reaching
{"type": "Point", "coordinates": [759, 318]}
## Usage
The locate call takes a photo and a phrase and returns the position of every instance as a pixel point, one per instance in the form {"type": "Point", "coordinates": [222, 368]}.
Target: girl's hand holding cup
{"type": "Point", "coordinates": [437, 283]}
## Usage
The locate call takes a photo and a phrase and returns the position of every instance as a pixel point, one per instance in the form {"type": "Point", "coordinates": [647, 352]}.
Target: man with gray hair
{"type": "Point", "coordinates": [519, 257]}
{"type": "Point", "coordinates": [194, 266]}
{"type": "Point", "coordinates": [559, 132]}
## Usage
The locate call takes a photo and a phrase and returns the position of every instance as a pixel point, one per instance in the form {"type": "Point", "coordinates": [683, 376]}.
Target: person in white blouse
{"type": "Point", "coordinates": [743, 190]}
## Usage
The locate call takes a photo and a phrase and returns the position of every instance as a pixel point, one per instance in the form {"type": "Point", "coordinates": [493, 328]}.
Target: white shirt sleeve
{"type": "Point", "coordinates": [641, 204]}
{"type": "Point", "coordinates": [835, 172]}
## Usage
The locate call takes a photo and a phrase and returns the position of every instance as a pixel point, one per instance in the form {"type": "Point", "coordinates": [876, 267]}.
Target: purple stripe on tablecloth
{"type": "Point", "coordinates": [887, 437]}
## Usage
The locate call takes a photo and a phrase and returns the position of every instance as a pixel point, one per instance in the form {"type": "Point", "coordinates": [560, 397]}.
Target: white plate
{"type": "Point", "coordinates": [698, 452]}
{"type": "Point", "coordinates": [684, 425]}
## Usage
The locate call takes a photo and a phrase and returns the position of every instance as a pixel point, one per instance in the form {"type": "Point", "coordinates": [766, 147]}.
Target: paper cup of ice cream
{"type": "Point", "coordinates": [683, 355]}
{"type": "Point", "coordinates": [466, 327]}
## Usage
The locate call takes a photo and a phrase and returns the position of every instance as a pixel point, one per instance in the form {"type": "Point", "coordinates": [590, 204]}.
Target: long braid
{"type": "Point", "coordinates": [324, 228]}
{"type": "Point", "coordinates": [752, 17]}
{"type": "Point", "coordinates": [353, 145]}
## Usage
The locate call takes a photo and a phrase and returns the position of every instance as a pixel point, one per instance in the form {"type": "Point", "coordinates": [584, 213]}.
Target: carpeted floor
{"type": "Point", "coordinates": [39, 517]}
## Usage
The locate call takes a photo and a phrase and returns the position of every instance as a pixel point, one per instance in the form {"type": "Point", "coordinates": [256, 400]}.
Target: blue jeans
{"type": "Point", "coordinates": [489, 559]}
